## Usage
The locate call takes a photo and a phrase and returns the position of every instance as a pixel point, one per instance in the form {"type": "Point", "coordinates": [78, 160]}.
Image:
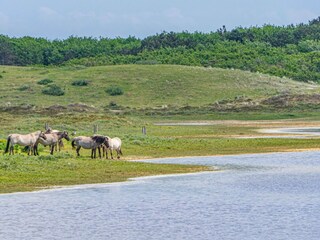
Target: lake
{"type": "Point", "coordinates": [254, 196]}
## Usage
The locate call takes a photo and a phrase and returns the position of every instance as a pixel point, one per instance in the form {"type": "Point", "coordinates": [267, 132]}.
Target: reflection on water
{"type": "Point", "coordinates": [260, 196]}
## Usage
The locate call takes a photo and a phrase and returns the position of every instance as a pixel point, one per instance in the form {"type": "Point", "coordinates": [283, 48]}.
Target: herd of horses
{"type": "Point", "coordinates": [53, 139]}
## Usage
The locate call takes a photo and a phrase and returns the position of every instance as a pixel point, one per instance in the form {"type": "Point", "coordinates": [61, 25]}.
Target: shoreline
{"type": "Point", "coordinates": [129, 181]}
{"type": "Point", "coordinates": [170, 171]}
{"type": "Point", "coordinates": [134, 180]}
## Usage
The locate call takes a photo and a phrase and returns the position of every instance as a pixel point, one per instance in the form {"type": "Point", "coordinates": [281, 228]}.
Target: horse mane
{"type": "Point", "coordinates": [37, 132]}
{"type": "Point", "coordinates": [98, 139]}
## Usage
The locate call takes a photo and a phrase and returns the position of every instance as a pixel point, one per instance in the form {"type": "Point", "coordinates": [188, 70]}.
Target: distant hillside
{"type": "Point", "coordinates": [292, 51]}
{"type": "Point", "coordinates": [138, 87]}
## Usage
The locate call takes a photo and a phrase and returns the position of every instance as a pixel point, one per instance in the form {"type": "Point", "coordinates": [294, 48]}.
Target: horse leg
{"type": "Point", "coordinates": [99, 150]}
{"type": "Point", "coordinates": [35, 150]}
{"type": "Point", "coordinates": [78, 150]}
{"type": "Point", "coordinates": [11, 151]}
{"type": "Point", "coordinates": [52, 149]}
{"type": "Point", "coordinates": [103, 151]}
{"type": "Point", "coordinates": [118, 153]}
{"type": "Point", "coordinates": [93, 153]}
{"type": "Point", "coordinates": [107, 153]}
{"type": "Point", "coordinates": [111, 153]}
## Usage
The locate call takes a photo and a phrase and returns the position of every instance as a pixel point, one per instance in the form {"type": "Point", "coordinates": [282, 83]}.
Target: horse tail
{"type": "Point", "coordinates": [8, 144]}
{"type": "Point", "coordinates": [72, 143]}
{"type": "Point", "coordinates": [120, 151]}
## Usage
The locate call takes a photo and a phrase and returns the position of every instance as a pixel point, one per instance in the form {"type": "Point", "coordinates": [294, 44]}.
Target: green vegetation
{"type": "Point", "coordinates": [114, 90]}
{"type": "Point", "coordinates": [80, 83]}
{"type": "Point", "coordinates": [155, 89]}
{"type": "Point", "coordinates": [53, 90]}
{"type": "Point", "coordinates": [22, 173]}
{"type": "Point", "coordinates": [291, 51]}
{"type": "Point", "coordinates": [151, 86]}
{"type": "Point", "coordinates": [44, 81]}
{"type": "Point", "coordinates": [24, 87]}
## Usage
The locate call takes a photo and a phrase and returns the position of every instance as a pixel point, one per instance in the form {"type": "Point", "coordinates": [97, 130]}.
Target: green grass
{"type": "Point", "coordinates": [153, 93]}
{"type": "Point", "coordinates": [22, 173]}
{"type": "Point", "coordinates": [143, 85]}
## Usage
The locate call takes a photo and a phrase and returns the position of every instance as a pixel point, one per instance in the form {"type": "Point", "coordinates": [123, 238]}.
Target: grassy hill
{"type": "Point", "coordinates": [144, 86]}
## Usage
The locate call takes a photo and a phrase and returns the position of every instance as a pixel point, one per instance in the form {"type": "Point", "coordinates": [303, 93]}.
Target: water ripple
{"type": "Point", "coordinates": [258, 196]}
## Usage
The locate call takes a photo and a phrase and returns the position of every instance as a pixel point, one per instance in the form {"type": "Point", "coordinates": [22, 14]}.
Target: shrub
{"type": "Point", "coordinates": [113, 104]}
{"type": "Point", "coordinates": [114, 90]}
{"type": "Point", "coordinates": [24, 87]}
{"type": "Point", "coordinates": [80, 83]}
{"type": "Point", "coordinates": [44, 81]}
{"type": "Point", "coordinates": [53, 90]}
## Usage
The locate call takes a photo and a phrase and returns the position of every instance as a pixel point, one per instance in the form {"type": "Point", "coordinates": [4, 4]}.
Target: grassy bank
{"type": "Point", "coordinates": [27, 173]}
{"type": "Point", "coordinates": [22, 173]}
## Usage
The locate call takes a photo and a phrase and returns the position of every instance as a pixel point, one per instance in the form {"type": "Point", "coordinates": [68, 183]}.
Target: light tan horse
{"type": "Point", "coordinates": [92, 143]}
{"type": "Point", "coordinates": [114, 144]}
{"type": "Point", "coordinates": [52, 139]}
{"type": "Point", "coordinates": [59, 144]}
{"type": "Point", "coordinates": [27, 140]}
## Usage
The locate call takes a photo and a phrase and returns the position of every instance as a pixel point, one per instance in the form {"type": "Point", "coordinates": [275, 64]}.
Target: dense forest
{"type": "Point", "coordinates": [291, 51]}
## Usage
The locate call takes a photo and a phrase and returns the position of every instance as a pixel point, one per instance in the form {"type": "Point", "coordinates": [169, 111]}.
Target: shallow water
{"type": "Point", "coordinates": [259, 196]}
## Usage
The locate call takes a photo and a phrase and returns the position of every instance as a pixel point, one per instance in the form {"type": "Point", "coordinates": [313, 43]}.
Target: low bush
{"type": "Point", "coordinates": [24, 87]}
{"type": "Point", "coordinates": [80, 83]}
{"type": "Point", "coordinates": [53, 90]}
{"type": "Point", "coordinates": [114, 90]}
{"type": "Point", "coordinates": [45, 81]}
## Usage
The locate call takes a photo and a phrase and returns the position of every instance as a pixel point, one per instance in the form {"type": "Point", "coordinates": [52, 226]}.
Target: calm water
{"type": "Point", "coordinates": [261, 196]}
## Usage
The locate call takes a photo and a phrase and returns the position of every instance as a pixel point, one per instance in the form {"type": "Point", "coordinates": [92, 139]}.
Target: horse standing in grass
{"type": "Point", "coordinates": [92, 143]}
{"type": "Point", "coordinates": [52, 139]}
{"type": "Point", "coordinates": [59, 144]}
{"type": "Point", "coordinates": [27, 140]}
{"type": "Point", "coordinates": [114, 144]}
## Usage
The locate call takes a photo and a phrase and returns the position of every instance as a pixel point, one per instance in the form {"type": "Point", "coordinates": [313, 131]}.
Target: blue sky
{"type": "Point", "coordinates": [59, 19]}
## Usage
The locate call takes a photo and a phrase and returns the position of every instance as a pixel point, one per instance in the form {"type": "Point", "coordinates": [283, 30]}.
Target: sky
{"type": "Point", "coordinates": [59, 19]}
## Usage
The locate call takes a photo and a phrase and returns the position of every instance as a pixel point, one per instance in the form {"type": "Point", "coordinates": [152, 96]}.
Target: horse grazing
{"type": "Point", "coordinates": [27, 140]}
{"type": "Point", "coordinates": [92, 143]}
{"type": "Point", "coordinates": [114, 144]}
{"type": "Point", "coordinates": [52, 139]}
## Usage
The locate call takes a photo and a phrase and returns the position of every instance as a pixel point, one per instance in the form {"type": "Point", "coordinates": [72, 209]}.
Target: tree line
{"type": "Point", "coordinates": [292, 51]}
